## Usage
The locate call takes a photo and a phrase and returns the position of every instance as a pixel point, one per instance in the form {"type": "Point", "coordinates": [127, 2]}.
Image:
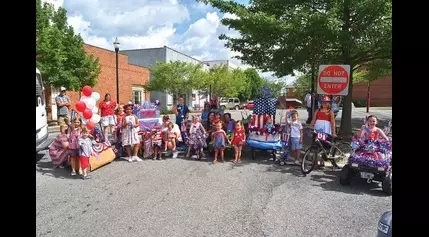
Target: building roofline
{"type": "Point", "coordinates": [183, 54]}
{"type": "Point", "coordinates": [142, 49]}
{"type": "Point", "coordinates": [104, 49]}
{"type": "Point", "coordinates": [138, 66]}
{"type": "Point", "coordinates": [216, 60]}
{"type": "Point", "coordinates": [166, 47]}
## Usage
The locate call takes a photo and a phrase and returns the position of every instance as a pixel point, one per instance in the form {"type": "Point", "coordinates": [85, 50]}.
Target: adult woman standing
{"type": "Point", "coordinates": [107, 112]}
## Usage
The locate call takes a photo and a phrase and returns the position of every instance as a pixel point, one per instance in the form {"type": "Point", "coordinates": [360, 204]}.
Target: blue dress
{"type": "Point", "coordinates": [219, 140]}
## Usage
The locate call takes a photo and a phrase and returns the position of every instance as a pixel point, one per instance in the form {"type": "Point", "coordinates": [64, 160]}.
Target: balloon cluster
{"type": "Point", "coordinates": [87, 108]}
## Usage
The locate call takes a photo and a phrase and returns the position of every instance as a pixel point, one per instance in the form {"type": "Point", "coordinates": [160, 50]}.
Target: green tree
{"type": "Point", "coordinates": [255, 82]}
{"type": "Point", "coordinates": [281, 36]}
{"type": "Point", "coordinates": [302, 85]}
{"type": "Point", "coordinates": [176, 77]}
{"type": "Point", "coordinates": [375, 69]}
{"type": "Point", "coordinates": [224, 82]}
{"type": "Point", "coordinates": [59, 51]}
{"type": "Point", "coordinates": [276, 86]}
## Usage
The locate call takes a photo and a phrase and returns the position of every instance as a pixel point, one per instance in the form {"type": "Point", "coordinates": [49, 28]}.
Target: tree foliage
{"type": "Point", "coordinates": [373, 70]}
{"type": "Point", "coordinates": [302, 85]}
{"type": "Point", "coordinates": [225, 82]}
{"type": "Point", "coordinates": [176, 77]}
{"type": "Point", "coordinates": [59, 51]}
{"type": "Point", "coordinates": [255, 82]}
{"type": "Point", "coordinates": [283, 35]}
{"type": "Point", "coordinates": [276, 86]}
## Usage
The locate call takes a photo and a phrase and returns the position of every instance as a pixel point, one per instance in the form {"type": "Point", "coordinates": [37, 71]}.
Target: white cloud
{"type": "Point", "coordinates": [199, 6]}
{"type": "Point", "coordinates": [152, 23]}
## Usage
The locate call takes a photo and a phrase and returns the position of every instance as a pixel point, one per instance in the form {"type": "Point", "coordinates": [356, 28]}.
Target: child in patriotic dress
{"type": "Point", "coordinates": [238, 141]}
{"type": "Point", "coordinates": [197, 135]}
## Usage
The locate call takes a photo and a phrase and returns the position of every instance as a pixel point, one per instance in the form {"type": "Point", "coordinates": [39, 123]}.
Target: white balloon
{"type": "Point", "coordinates": [84, 120]}
{"type": "Point", "coordinates": [95, 96]}
{"type": "Point", "coordinates": [95, 118]}
{"type": "Point", "coordinates": [90, 103]}
{"type": "Point", "coordinates": [95, 110]}
{"type": "Point", "coordinates": [84, 98]}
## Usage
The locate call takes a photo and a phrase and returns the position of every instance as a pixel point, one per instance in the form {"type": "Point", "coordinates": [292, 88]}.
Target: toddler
{"type": "Point", "coordinates": [296, 136]}
{"type": "Point", "coordinates": [219, 138]}
{"type": "Point", "coordinates": [85, 151]}
{"type": "Point", "coordinates": [238, 141]}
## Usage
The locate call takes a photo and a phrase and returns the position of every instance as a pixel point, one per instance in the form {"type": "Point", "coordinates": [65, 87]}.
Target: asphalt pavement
{"type": "Point", "coordinates": [183, 197]}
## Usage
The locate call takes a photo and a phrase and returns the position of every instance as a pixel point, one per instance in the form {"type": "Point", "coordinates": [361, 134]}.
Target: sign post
{"type": "Point", "coordinates": [333, 80]}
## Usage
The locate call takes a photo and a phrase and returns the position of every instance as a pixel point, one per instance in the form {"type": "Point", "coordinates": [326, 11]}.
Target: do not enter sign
{"type": "Point", "coordinates": [333, 79]}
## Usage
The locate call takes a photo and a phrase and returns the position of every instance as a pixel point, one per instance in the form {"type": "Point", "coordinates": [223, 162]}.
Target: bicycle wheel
{"type": "Point", "coordinates": [342, 154]}
{"type": "Point", "coordinates": [310, 159]}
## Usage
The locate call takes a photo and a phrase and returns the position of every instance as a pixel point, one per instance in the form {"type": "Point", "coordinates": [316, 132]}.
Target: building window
{"type": "Point", "coordinates": [138, 95]}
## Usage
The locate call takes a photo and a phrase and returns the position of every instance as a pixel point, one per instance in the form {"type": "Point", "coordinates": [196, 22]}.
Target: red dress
{"type": "Point", "coordinates": [238, 137]}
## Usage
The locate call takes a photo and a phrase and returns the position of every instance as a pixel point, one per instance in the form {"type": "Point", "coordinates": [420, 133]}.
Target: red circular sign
{"type": "Point", "coordinates": [333, 79]}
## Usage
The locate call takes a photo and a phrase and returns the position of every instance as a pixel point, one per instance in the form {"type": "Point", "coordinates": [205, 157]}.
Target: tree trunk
{"type": "Point", "coordinates": [346, 43]}
{"type": "Point", "coordinates": [346, 116]}
{"type": "Point", "coordinates": [368, 98]}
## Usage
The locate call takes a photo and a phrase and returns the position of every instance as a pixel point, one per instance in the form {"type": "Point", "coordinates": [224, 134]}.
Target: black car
{"type": "Point", "coordinates": [385, 225]}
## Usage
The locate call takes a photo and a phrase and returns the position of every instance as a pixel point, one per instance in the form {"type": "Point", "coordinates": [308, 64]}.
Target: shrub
{"type": "Point", "coordinates": [359, 103]}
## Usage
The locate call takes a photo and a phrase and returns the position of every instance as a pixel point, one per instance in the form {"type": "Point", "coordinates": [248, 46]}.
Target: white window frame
{"type": "Point", "coordinates": [142, 95]}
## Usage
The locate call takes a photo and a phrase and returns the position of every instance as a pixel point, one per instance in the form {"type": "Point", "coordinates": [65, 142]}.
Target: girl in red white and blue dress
{"type": "Point", "coordinates": [238, 140]}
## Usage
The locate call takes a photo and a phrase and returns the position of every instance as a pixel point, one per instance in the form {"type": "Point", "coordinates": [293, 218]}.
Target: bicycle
{"type": "Point", "coordinates": [324, 147]}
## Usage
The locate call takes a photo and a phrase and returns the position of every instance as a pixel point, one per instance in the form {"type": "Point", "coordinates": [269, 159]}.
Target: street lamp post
{"type": "Point", "coordinates": [117, 44]}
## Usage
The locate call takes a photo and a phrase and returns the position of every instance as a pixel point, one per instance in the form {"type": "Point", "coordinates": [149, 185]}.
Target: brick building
{"type": "Point", "coordinates": [381, 91]}
{"type": "Point", "coordinates": [132, 78]}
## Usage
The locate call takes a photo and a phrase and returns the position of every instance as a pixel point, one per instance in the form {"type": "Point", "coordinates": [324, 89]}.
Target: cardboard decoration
{"type": "Point", "coordinates": [104, 157]}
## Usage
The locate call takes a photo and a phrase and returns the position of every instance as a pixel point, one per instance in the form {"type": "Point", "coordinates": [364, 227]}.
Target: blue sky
{"type": "Point", "coordinates": [185, 25]}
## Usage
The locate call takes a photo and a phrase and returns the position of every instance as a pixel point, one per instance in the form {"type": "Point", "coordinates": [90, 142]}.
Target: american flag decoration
{"type": "Point", "coordinates": [265, 106]}
{"type": "Point", "coordinates": [266, 92]}
{"type": "Point", "coordinates": [259, 120]}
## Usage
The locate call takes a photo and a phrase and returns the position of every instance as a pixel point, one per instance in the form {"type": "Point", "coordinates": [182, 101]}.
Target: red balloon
{"type": "Point", "coordinates": [90, 125]}
{"type": "Point", "coordinates": [80, 106]}
{"type": "Point", "coordinates": [87, 90]}
{"type": "Point", "coordinates": [87, 113]}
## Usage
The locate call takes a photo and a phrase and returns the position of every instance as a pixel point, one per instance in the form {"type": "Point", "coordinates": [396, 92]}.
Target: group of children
{"type": "Point", "coordinates": [80, 147]}
{"type": "Point", "coordinates": [220, 131]}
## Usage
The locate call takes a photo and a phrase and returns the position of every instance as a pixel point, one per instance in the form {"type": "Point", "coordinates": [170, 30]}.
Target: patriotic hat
{"type": "Point", "coordinates": [326, 99]}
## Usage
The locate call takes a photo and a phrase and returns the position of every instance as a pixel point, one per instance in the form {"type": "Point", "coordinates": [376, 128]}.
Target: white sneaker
{"type": "Point", "coordinates": [175, 153]}
{"type": "Point", "coordinates": [136, 158]}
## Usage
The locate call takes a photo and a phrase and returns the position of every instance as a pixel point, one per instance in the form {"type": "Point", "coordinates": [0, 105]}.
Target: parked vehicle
{"type": "Point", "coordinates": [230, 103]}
{"type": "Point", "coordinates": [42, 142]}
{"type": "Point", "coordinates": [249, 105]}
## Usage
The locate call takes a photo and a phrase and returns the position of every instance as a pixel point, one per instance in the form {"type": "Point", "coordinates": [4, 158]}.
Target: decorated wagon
{"type": "Point", "coordinates": [264, 134]}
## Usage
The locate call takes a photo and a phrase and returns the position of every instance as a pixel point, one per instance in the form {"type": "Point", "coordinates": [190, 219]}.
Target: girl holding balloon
{"type": "Point", "coordinates": [107, 112]}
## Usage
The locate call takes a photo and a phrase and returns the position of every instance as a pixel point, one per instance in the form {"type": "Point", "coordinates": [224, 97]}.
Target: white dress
{"type": "Point", "coordinates": [130, 134]}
